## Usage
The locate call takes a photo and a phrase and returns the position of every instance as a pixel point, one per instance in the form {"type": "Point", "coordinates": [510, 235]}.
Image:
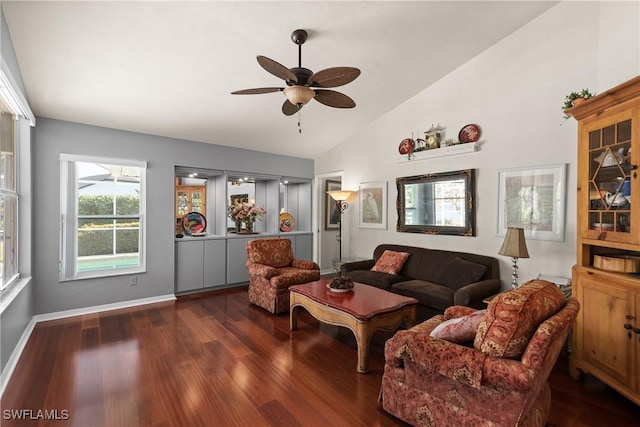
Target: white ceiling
{"type": "Point", "coordinates": [167, 68]}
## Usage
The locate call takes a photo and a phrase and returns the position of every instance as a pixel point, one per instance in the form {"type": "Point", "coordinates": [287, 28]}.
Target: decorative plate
{"type": "Point", "coordinates": [406, 146]}
{"type": "Point", "coordinates": [469, 133]}
{"type": "Point", "coordinates": [194, 223]}
{"type": "Point", "coordinates": [338, 290]}
{"type": "Point", "coordinates": [287, 222]}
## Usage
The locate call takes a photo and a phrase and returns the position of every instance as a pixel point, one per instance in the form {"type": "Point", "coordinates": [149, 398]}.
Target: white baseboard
{"type": "Point", "coordinates": [100, 308]}
{"type": "Point", "coordinates": [17, 351]}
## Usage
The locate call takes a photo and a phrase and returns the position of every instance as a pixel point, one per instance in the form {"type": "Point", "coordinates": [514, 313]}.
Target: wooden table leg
{"type": "Point", "coordinates": [293, 317]}
{"type": "Point", "coordinates": [363, 334]}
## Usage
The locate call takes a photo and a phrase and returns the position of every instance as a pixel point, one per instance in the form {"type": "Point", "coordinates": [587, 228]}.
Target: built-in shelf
{"type": "Point", "coordinates": [453, 150]}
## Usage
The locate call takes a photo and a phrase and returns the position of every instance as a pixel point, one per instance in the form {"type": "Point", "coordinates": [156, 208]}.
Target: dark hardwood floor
{"type": "Point", "coordinates": [216, 360]}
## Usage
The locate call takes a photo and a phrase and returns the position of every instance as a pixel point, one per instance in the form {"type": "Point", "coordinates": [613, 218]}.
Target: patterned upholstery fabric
{"type": "Point", "coordinates": [513, 316]}
{"type": "Point", "coordinates": [390, 262]}
{"type": "Point", "coordinates": [272, 269]}
{"type": "Point", "coordinates": [432, 382]}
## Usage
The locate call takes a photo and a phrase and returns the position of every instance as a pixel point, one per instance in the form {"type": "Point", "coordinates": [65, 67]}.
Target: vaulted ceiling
{"type": "Point", "coordinates": [168, 68]}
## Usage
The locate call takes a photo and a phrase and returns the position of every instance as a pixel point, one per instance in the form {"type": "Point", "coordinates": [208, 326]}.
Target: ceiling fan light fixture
{"type": "Point", "coordinates": [299, 95]}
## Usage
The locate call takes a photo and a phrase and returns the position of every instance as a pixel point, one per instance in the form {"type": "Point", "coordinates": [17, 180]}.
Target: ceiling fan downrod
{"type": "Point", "coordinates": [299, 37]}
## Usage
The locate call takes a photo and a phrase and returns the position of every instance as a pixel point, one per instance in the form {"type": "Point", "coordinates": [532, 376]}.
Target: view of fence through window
{"type": "Point", "coordinates": [437, 203]}
{"type": "Point", "coordinates": [449, 201]}
{"type": "Point", "coordinates": [108, 216]}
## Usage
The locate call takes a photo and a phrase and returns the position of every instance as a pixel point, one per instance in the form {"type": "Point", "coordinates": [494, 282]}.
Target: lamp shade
{"type": "Point", "coordinates": [299, 95]}
{"type": "Point", "coordinates": [339, 195]}
{"type": "Point", "coordinates": [514, 244]}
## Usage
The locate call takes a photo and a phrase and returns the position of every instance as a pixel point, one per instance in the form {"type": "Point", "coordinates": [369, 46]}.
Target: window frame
{"type": "Point", "coordinates": [69, 217]}
{"type": "Point", "coordinates": [13, 194]}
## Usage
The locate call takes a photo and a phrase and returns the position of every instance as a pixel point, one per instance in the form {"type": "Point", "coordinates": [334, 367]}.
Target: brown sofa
{"type": "Point", "coordinates": [437, 279]}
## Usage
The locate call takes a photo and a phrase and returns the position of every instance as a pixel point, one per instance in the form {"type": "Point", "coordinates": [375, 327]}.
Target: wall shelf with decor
{"type": "Point", "coordinates": [215, 257]}
{"type": "Point", "coordinates": [434, 153]}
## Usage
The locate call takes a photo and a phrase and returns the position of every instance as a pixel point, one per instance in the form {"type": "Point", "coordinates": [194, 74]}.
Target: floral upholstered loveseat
{"type": "Point", "coordinates": [499, 378]}
{"type": "Point", "coordinates": [272, 269]}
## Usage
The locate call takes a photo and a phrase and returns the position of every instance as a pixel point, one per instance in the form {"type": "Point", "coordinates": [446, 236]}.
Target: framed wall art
{"type": "Point", "coordinates": [332, 212]}
{"type": "Point", "coordinates": [533, 199]}
{"type": "Point", "coordinates": [373, 204]}
{"type": "Point", "coordinates": [234, 199]}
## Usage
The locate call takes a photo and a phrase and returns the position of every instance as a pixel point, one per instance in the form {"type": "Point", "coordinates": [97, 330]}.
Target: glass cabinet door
{"type": "Point", "coordinates": [190, 199]}
{"type": "Point", "coordinates": [182, 203]}
{"type": "Point", "coordinates": [610, 183]}
{"type": "Point", "coordinates": [197, 201]}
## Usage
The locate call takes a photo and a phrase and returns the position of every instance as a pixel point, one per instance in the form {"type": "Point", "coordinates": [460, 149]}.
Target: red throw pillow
{"type": "Point", "coordinates": [460, 329]}
{"type": "Point", "coordinates": [390, 262]}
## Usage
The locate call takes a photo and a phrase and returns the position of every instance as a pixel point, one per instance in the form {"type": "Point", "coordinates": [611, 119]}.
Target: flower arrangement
{"type": "Point", "coordinates": [246, 213]}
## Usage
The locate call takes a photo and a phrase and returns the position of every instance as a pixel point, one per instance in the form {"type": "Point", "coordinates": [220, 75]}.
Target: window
{"type": "Point", "coordinates": [8, 195]}
{"type": "Point", "coordinates": [102, 217]}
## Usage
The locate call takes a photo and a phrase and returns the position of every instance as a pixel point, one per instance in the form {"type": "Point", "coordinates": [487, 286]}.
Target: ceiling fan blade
{"type": "Point", "coordinates": [289, 109]}
{"type": "Point", "coordinates": [334, 99]}
{"type": "Point", "coordinates": [334, 77]}
{"type": "Point", "coordinates": [277, 69]}
{"type": "Point", "coordinates": [257, 90]}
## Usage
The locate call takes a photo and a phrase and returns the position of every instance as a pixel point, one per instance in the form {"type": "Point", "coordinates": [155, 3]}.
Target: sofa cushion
{"type": "Point", "coordinates": [413, 263]}
{"type": "Point", "coordinates": [458, 273]}
{"type": "Point", "coordinates": [427, 293]}
{"type": "Point", "coordinates": [513, 316]}
{"type": "Point", "coordinates": [373, 278]}
{"type": "Point", "coordinates": [459, 329]}
{"type": "Point", "coordinates": [390, 262]}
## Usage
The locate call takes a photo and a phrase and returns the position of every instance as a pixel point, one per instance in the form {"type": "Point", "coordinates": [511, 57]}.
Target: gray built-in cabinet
{"type": "Point", "coordinates": [218, 259]}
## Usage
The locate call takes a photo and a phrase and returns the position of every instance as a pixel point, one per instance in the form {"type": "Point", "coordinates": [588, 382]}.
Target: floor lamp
{"type": "Point", "coordinates": [340, 196]}
{"type": "Point", "coordinates": [514, 246]}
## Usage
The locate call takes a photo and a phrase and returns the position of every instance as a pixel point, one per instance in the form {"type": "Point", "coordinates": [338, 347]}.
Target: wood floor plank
{"type": "Point", "coordinates": [216, 360]}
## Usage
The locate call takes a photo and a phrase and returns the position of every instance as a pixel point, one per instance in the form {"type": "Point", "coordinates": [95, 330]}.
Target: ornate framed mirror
{"type": "Point", "coordinates": [439, 203]}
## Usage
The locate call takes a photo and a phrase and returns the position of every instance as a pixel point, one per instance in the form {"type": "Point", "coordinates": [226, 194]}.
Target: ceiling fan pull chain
{"type": "Point", "coordinates": [299, 119]}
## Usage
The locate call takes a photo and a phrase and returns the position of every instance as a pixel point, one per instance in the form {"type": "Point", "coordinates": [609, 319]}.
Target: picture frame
{"type": "Point", "coordinates": [373, 205]}
{"type": "Point", "coordinates": [332, 212]}
{"type": "Point", "coordinates": [238, 198]}
{"type": "Point", "coordinates": [533, 198]}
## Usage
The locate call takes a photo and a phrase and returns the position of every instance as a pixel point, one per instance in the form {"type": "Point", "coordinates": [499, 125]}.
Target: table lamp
{"type": "Point", "coordinates": [514, 246]}
{"type": "Point", "coordinates": [340, 196]}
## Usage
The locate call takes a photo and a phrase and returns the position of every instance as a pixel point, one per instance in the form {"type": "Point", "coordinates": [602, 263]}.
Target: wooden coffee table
{"type": "Point", "coordinates": [363, 310]}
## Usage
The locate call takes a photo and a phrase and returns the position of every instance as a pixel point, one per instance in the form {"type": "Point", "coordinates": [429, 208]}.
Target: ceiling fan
{"type": "Point", "coordinates": [302, 82]}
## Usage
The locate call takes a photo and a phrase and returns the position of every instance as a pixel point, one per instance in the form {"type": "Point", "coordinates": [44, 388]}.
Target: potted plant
{"type": "Point", "coordinates": [575, 98]}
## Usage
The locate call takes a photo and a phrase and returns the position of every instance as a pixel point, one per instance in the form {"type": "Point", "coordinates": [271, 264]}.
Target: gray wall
{"type": "Point", "coordinates": [15, 318]}
{"type": "Point", "coordinates": [17, 315]}
{"type": "Point", "coordinates": [53, 137]}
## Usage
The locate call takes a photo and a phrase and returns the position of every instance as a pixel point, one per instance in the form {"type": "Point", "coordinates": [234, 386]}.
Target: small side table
{"type": "Point", "coordinates": [488, 299]}
{"type": "Point", "coordinates": [337, 263]}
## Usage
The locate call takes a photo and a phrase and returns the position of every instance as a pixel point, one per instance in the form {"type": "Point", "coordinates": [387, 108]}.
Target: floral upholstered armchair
{"type": "Point", "coordinates": [445, 372]}
{"type": "Point", "coordinates": [272, 269]}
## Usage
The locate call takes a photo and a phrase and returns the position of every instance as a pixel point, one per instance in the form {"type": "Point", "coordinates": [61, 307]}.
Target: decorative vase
{"type": "Point", "coordinates": [577, 101]}
{"type": "Point", "coordinates": [238, 226]}
{"type": "Point", "coordinates": [248, 226]}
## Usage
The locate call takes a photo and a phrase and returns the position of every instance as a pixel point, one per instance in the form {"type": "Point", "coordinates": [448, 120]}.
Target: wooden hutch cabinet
{"type": "Point", "coordinates": [606, 335]}
{"type": "Point", "coordinates": [191, 198]}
